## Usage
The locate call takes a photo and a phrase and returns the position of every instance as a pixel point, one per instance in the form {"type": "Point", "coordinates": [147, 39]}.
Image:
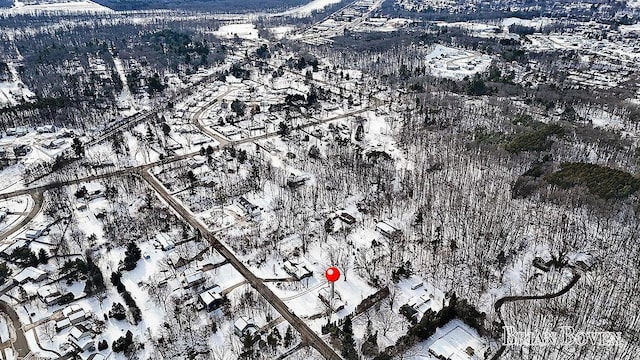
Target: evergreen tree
{"type": "Point", "coordinates": [288, 337]}
{"type": "Point", "coordinates": [283, 129]}
{"type": "Point", "coordinates": [131, 256]}
{"type": "Point", "coordinates": [43, 257]}
{"type": "Point", "coordinates": [166, 129]}
{"type": "Point", "coordinates": [5, 272]}
{"type": "Point", "coordinates": [359, 132]}
{"type": "Point", "coordinates": [242, 156]}
{"type": "Point", "coordinates": [348, 343]}
{"type": "Point", "coordinates": [78, 147]}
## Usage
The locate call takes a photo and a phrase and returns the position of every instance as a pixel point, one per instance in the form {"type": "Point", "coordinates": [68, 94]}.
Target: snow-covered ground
{"type": "Point", "coordinates": [308, 9]}
{"type": "Point", "coordinates": [633, 3]}
{"type": "Point", "coordinates": [44, 6]}
{"type": "Point", "coordinates": [4, 328]}
{"type": "Point", "coordinates": [14, 91]}
{"type": "Point", "coordinates": [244, 31]}
{"type": "Point", "coordinates": [281, 31]}
{"type": "Point", "coordinates": [455, 63]}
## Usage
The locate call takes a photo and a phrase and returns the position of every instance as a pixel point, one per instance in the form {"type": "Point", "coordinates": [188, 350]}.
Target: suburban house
{"type": "Point", "coordinates": [17, 131]}
{"type": "Point", "coordinates": [346, 218]}
{"type": "Point", "coordinates": [296, 181]}
{"type": "Point", "coordinates": [197, 161]}
{"type": "Point", "coordinates": [80, 332]}
{"type": "Point", "coordinates": [77, 317]}
{"type": "Point", "coordinates": [193, 279]}
{"type": "Point", "coordinates": [30, 274]}
{"type": "Point", "coordinates": [36, 232]}
{"type": "Point", "coordinates": [250, 208]}
{"type": "Point", "coordinates": [46, 129]}
{"type": "Point", "coordinates": [457, 344]}
{"type": "Point", "coordinates": [62, 324]}
{"type": "Point", "coordinates": [49, 294]}
{"type": "Point", "coordinates": [420, 304]}
{"type": "Point", "coordinates": [336, 303]}
{"type": "Point", "coordinates": [298, 271]}
{"type": "Point", "coordinates": [164, 242]}
{"type": "Point", "coordinates": [243, 326]}
{"type": "Point", "coordinates": [81, 339]}
{"type": "Point", "coordinates": [55, 144]}
{"type": "Point", "coordinates": [74, 313]}
{"type": "Point", "coordinates": [176, 260]}
{"type": "Point", "coordinates": [387, 230]}
{"type": "Point", "coordinates": [94, 190]}
{"type": "Point", "coordinates": [211, 299]}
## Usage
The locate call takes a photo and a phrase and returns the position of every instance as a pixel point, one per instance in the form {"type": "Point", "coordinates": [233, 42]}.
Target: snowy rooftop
{"type": "Point", "coordinates": [457, 344]}
{"type": "Point", "coordinates": [386, 227]}
{"type": "Point", "coordinates": [194, 277]}
{"type": "Point", "coordinates": [30, 274]}
{"type": "Point", "coordinates": [211, 295]}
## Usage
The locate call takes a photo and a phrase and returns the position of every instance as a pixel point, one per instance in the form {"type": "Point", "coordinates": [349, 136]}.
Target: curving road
{"type": "Point", "coordinates": [20, 344]}
{"type": "Point", "coordinates": [508, 299]}
{"type": "Point", "coordinates": [36, 195]}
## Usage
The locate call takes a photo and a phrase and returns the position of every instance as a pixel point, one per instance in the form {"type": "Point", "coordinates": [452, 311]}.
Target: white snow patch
{"type": "Point", "coordinates": [308, 9]}
{"type": "Point", "coordinates": [281, 31]}
{"type": "Point", "coordinates": [244, 31]}
{"type": "Point", "coordinates": [84, 6]}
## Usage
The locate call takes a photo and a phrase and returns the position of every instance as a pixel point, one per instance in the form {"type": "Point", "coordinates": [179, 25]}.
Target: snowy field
{"type": "Point", "coordinates": [281, 32]}
{"type": "Point", "coordinates": [244, 31]}
{"type": "Point", "coordinates": [308, 9]}
{"type": "Point", "coordinates": [455, 63]}
{"type": "Point", "coordinates": [13, 93]}
{"type": "Point", "coordinates": [84, 6]}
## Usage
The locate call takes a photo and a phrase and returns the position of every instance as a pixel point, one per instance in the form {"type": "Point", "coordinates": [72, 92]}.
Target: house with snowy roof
{"type": "Point", "coordinates": [30, 274]}
{"type": "Point", "coordinates": [244, 326]}
{"type": "Point", "coordinates": [387, 230]}
{"type": "Point", "coordinates": [48, 294]}
{"type": "Point", "coordinates": [194, 278]}
{"type": "Point", "coordinates": [458, 344]}
{"type": "Point", "coordinates": [164, 241]}
{"type": "Point", "coordinates": [298, 271]}
{"type": "Point", "coordinates": [211, 299]}
{"type": "Point", "coordinates": [80, 342]}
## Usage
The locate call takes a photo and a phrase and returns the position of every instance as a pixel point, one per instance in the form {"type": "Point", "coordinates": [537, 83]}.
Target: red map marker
{"type": "Point", "coordinates": [332, 274]}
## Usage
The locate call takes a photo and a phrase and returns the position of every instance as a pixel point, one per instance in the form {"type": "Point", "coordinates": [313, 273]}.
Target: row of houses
{"type": "Point", "coordinates": [22, 130]}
